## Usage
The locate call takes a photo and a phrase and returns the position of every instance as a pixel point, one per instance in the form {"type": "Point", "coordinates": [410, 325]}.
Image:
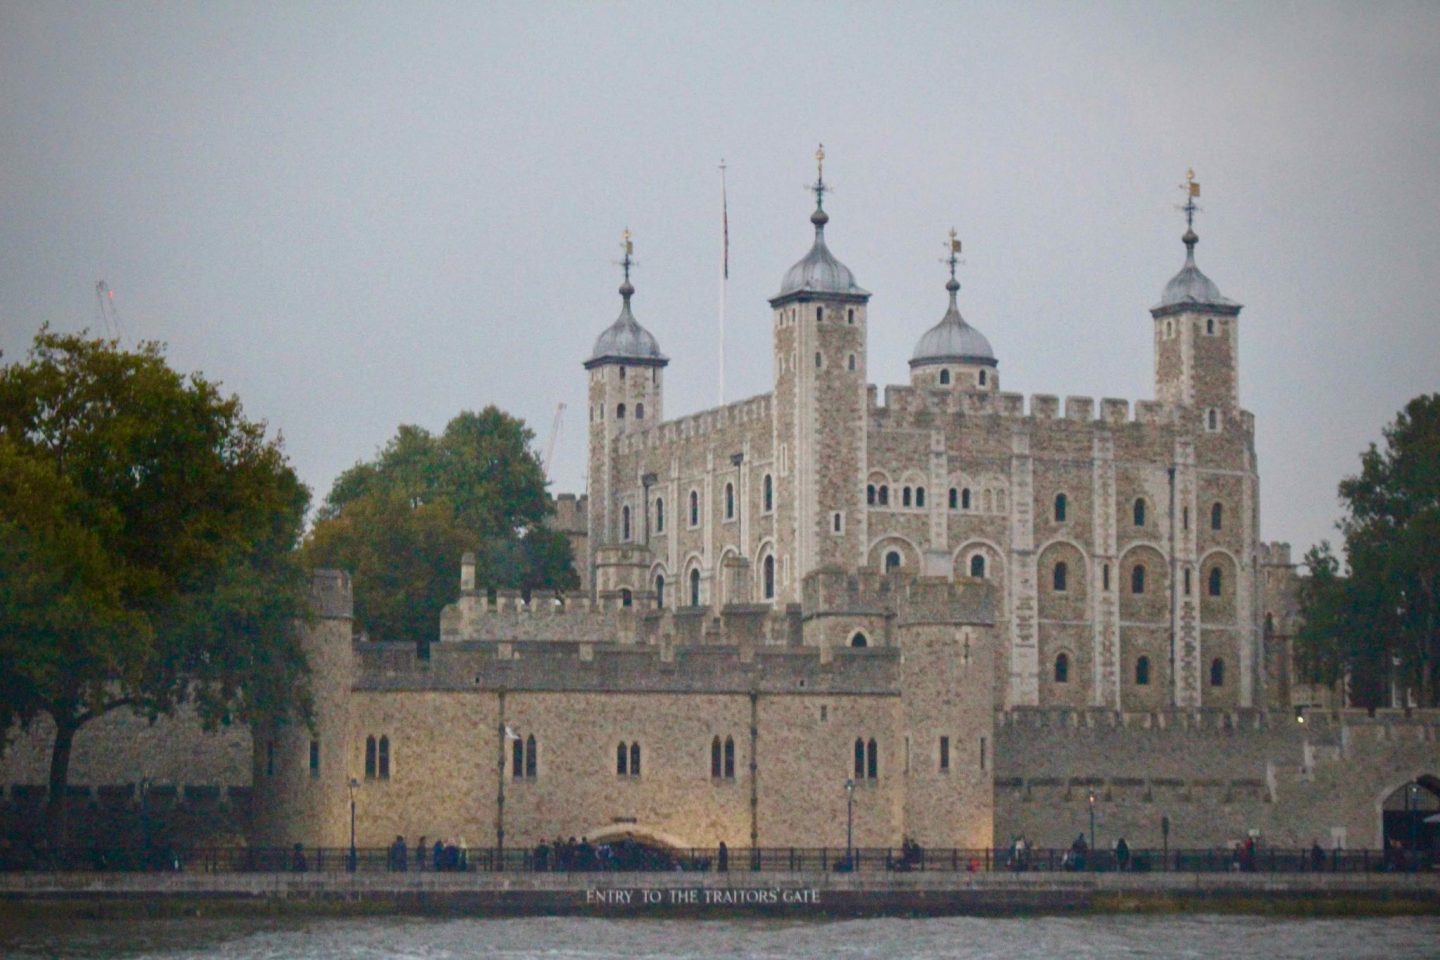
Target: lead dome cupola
{"type": "Point", "coordinates": [952, 340]}
{"type": "Point", "coordinates": [818, 272]}
{"type": "Point", "coordinates": [625, 341]}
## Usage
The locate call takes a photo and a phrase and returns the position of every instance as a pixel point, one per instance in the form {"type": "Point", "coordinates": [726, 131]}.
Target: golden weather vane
{"type": "Point", "coordinates": [820, 161]}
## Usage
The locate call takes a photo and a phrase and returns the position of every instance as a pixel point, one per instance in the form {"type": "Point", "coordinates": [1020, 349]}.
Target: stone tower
{"type": "Point", "coordinates": [1197, 339]}
{"type": "Point", "coordinates": [626, 396]}
{"type": "Point", "coordinates": [819, 412]}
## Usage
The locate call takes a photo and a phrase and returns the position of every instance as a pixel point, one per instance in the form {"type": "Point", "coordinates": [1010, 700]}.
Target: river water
{"type": "Point", "coordinates": [409, 938]}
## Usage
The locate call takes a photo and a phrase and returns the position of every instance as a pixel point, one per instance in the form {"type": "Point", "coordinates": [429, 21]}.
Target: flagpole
{"type": "Point", "coordinates": [724, 274]}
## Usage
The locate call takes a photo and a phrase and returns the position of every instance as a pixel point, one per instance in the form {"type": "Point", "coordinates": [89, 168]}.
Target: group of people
{"type": "Point", "coordinates": [441, 855]}
{"type": "Point", "coordinates": [912, 856]}
{"type": "Point", "coordinates": [626, 854]}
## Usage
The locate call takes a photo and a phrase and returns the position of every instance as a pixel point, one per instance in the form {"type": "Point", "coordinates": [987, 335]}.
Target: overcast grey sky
{"type": "Point", "coordinates": [358, 215]}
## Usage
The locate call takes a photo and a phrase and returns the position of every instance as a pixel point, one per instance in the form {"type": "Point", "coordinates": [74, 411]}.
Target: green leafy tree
{"type": "Point", "coordinates": [399, 524]}
{"type": "Point", "coordinates": [1382, 621]}
{"type": "Point", "coordinates": [147, 535]}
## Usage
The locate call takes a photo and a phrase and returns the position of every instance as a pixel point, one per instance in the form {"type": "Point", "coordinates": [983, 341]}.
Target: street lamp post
{"type": "Point", "coordinates": [850, 824]}
{"type": "Point", "coordinates": [1412, 806]}
{"type": "Point", "coordinates": [1092, 823]}
{"type": "Point", "coordinates": [353, 784]}
{"type": "Point", "coordinates": [145, 817]}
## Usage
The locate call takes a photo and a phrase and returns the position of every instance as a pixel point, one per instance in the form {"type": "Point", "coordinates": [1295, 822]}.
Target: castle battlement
{"type": "Point", "coordinates": [696, 425]}
{"type": "Point", "coordinates": [621, 668]}
{"type": "Point", "coordinates": [911, 400]}
{"type": "Point", "coordinates": [904, 596]}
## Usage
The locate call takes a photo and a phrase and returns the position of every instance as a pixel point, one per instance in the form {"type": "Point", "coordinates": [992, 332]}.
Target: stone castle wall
{"type": "Point", "coordinates": [1215, 774]}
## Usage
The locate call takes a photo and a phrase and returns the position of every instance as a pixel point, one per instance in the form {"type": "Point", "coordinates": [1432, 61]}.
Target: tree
{"type": "Point", "coordinates": [400, 523]}
{"type": "Point", "coordinates": [147, 535]}
{"type": "Point", "coordinates": [1381, 624]}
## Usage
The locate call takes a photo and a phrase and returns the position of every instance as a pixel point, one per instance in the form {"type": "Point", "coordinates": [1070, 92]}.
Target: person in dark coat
{"type": "Point", "coordinates": [723, 858]}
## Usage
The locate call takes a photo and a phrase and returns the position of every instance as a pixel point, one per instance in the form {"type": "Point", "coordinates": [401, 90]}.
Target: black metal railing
{"type": "Point", "coordinates": [626, 857]}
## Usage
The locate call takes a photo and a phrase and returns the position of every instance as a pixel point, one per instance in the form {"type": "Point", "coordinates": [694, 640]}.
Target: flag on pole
{"type": "Point", "coordinates": [725, 221]}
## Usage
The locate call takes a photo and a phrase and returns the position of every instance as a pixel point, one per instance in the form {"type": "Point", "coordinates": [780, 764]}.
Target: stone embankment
{"type": "Point", "coordinates": [713, 894]}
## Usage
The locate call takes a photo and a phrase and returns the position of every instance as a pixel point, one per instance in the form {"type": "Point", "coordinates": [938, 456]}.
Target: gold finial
{"type": "Point", "coordinates": [629, 247]}
{"type": "Point", "coordinates": [1190, 186]}
{"type": "Point", "coordinates": [820, 161]}
{"type": "Point", "coordinates": [954, 241]}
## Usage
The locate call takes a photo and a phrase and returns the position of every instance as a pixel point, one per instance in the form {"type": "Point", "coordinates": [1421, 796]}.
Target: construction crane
{"type": "Point", "coordinates": [109, 315]}
{"type": "Point", "coordinates": [554, 436]}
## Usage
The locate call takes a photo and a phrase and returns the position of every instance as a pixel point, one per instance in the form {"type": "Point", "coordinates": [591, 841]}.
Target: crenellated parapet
{"type": "Point", "coordinates": [904, 402]}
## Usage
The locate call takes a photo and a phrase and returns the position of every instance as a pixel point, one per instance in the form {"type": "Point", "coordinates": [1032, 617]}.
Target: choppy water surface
{"type": "Point", "coordinates": [1227, 937]}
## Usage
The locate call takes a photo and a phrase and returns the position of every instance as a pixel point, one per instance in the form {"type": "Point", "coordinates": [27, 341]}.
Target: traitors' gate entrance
{"type": "Point", "coordinates": [1409, 840]}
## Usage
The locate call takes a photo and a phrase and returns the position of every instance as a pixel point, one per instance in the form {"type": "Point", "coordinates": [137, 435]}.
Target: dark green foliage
{"type": "Point", "coordinates": [1382, 623]}
{"type": "Point", "coordinates": [147, 535]}
{"type": "Point", "coordinates": [401, 523]}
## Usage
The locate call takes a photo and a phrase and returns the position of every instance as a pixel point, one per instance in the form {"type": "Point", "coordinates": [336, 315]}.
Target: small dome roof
{"type": "Point", "coordinates": [1190, 286]}
{"type": "Point", "coordinates": [819, 271]}
{"type": "Point", "coordinates": [625, 339]}
{"type": "Point", "coordinates": [952, 340]}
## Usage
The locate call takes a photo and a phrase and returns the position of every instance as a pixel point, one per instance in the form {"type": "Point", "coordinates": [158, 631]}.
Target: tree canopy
{"type": "Point", "coordinates": [1380, 624]}
{"type": "Point", "coordinates": [147, 535]}
{"type": "Point", "coordinates": [399, 524]}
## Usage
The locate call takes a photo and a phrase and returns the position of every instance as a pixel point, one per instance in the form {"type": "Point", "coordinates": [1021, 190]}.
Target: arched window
{"type": "Point", "coordinates": [1187, 581]}
{"type": "Point", "coordinates": [694, 508]}
{"type": "Point", "coordinates": [622, 373]}
{"type": "Point", "coordinates": [729, 501]}
{"type": "Point", "coordinates": [965, 499]}
{"type": "Point", "coordinates": [859, 640]}
{"type": "Point", "coordinates": [892, 561]}
{"type": "Point", "coordinates": [944, 378]}
{"type": "Point", "coordinates": [635, 759]}
{"type": "Point", "coordinates": [639, 411]}
{"type": "Point", "coordinates": [531, 759]}
{"type": "Point", "coordinates": [1217, 672]}
{"type": "Point", "coordinates": [1062, 668]}
{"type": "Point", "coordinates": [659, 515]}
{"type": "Point", "coordinates": [1062, 573]}
{"type": "Point", "coordinates": [977, 566]}
{"type": "Point", "coordinates": [1105, 577]}
{"type": "Point", "coordinates": [715, 763]}
{"type": "Point", "coordinates": [369, 758]}
{"type": "Point", "coordinates": [819, 314]}
{"type": "Point", "coordinates": [954, 499]}
{"type": "Point", "coordinates": [872, 760]}
{"type": "Point", "coordinates": [517, 758]}
{"type": "Point", "coordinates": [659, 591]}
{"type": "Point", "coordinates": [1214, 420]}
{"type": "Point", "coordinates": [383, 764]}
{"type": "Point", "coordinates": [818, 361]}
{"type": "Point", "coordinates": [729, 758]}
{"type": "Point", "coordinates": [859, 759]}
{"type": "Point", "coordinates": [982, 378]}
{"type": "Point", "coordinates": [627, 599]}
{"type": "Point", "coordinates": [695, 588]}
{"type": "Point", "coordinates": [1140, 512]}
{"type": "Point", "coordinates": [1060, 505]}
{"type": "Point", "coordinates": [624, 523]}
{"type": "Point", "coordinates": [620, 412]}
{"type": "Point", "coordinates": [870, 494]}
{"type": "Point", "coordinates": [767, 576]}
{"type": "Point", "coordinates": [1217, 517]}
{"type": "Point", "coordinates": [850, 316]}
{"type": "Point", "coordinates": [1215, 581]}
{"type": "Point", "coordinates": [1210, 325]}
{"type": "Point", "coordinates": [622, 760]}
{"type": "Point", "coordinates": [851, 362]}
{"type": "Point", "coordinates": [919, 496]}
{"type": "Point", "coordinates": [884, 495]}
{"type": "Point", "coordinates": [1137, 578]}
{"type": "Point", "coordinates": [1142, 672]}
{"type": "Point", "coordinates": [905, 497]}
{"type": "Point", "coordinates": [767, 494]}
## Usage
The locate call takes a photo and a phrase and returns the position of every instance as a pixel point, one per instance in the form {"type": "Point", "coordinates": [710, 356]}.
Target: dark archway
{"type": "Point", "coordinates": [1409, 841]}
